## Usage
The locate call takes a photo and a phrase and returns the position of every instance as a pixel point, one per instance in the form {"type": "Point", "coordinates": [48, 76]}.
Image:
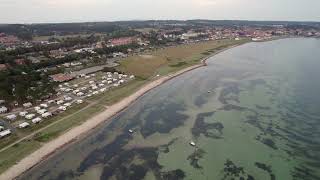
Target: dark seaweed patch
{"type": "Point", "coordinates": [201, 127]}
{"type": "Point", "coordinates": [195, 157]}
{"type": "Point", "coordinates": [163, 119]}
{"type": "Point", "coordinates": [304, 173]}
{"type": "Point", "coordinates": [200, 101]}
{"type": "Point", "coordinates": [173, 175]}
{"type": "Point", "coordinates": [269, 142]}
{"type": "Point", "coordinates": [262, 107]}
{"type": "Point", "coordinates": [230, 92]}
{"type": "Point", "coordinates": [266, 168]}
{"type": "Point", "coordinates": [230, 107]}
{"type": "Point", "coordinates": [232, 171]}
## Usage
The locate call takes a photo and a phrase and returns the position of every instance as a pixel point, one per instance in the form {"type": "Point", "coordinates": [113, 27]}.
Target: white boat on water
{"type": "Point", "coordinates": [130, 131]}
{"type": "Point", "coordinates": [192, 143]}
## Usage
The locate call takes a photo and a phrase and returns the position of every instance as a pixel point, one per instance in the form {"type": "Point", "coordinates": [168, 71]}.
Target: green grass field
{"type": "Point", "coordinates": [144, 67]}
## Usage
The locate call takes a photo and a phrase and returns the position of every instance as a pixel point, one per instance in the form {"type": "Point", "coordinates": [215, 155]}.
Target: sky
{"type": "Point", "coordinates": [59, 11]}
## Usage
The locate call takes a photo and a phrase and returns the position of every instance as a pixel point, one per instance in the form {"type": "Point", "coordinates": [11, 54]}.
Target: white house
{"type": "Point", "coordinates": [79, 101]}
{"type": "Point", "coordinates": [24, 125]}
{"type": "Point", "coordinates": [132, 77]}
{"type": "Point", "coordinates": [23, 113]}
{"type": "Point", "coordinates": [27, 105]}
{"type": "Point", "coordinates": [36, 120]}
{"type": "Point", "coordinates": [46, 115]}
{"type": "Point", "coordinates": [11, 117]}
{"type": "Point", "coordinates": [1, 128]}
{"type": "Point", "coordinates": [3, 109]}
{"type": "Point", "coordinates": [30, 116]}
{"type": "Point", "coordinates": [5, 133]}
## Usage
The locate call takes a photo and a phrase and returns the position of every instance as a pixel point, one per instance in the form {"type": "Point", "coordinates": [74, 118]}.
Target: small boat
{"type": "Point", "coordinates": [192, 143]}
{"type": "Point", "coordinates": [130, 131]}
{"type": "Point", "coordinates": [209, 91]}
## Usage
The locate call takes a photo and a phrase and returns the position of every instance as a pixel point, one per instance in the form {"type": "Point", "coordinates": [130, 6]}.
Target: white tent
{"type": "Point", "coordinates": [27, 105]}
{"type": "Point", "coordinates": [5, 133]}
{"type": "Point", "coordinates": [44, 105]}
{"type": "Point", "coordinates": [23, 113]}
{"type": "Point", "coordinates": [47, 114]}
{"type": "Point", "coordinates": [24, 125]}
{"type": "Point", "coordinates": [11, 117]}
{"type": "Point", "coordinates": [41, 111]}
{"type": "Point", "coordinates": [3, 109]}
{"type": "Point", "coordinates": [36, 120]}
{"type": "Point", "coordinates": [30, 116]}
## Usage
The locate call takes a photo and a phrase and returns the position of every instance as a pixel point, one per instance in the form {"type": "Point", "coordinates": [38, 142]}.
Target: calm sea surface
{"type": "Point", "coordinates": [261, 120]}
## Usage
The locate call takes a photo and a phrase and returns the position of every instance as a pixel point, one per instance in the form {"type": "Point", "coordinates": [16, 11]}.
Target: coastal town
{"type": "Point", "coordinates": [48, 75]}
{"type": "Point", "coordinates": [71, 68]}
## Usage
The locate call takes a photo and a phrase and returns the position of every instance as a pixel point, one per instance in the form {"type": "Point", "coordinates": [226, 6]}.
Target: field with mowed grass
{"type": "Point", "coordinates": [170, 59]}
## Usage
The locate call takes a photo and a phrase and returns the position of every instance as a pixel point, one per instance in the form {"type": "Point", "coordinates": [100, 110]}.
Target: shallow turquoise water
{"type": "Point", "coordinates": [260, 121]}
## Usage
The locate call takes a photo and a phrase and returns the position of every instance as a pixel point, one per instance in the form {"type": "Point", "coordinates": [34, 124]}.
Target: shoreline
{"type": "Point", "coordinates": [74, 134]}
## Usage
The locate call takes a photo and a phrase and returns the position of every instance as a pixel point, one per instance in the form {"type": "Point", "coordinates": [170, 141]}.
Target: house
{"type": "Point", "coordinates": [79, 101]}
{"type": "Point", "coordinates": [27, 105]}
{"type": "Point", "coordinates": [5, 133]}
{"type": "Point", "coordinates": [30, 116]}
{"type": "Point", "coordinates": [23, 113]}
{"type": "Point", "coordinates": [3, 109]}
{"type": "Point", "coordinates": [1, 128]}
{"type": "Point", "coordinates": [20, 61]}
{"type": "Point", "coordinates": [36, 120]}
{"type": "Point", "coordinates": [47, 114]}
{"type": "Point", "coordinates": [11, 117]}
{"type": "Point", "coordinates": [61, 77]}
{"type": "Point", "coordinates": [122, 41]}
{"type": "Point", "coordinates": [24, 125]}
{"type": "Point", "coordinates": [3, 67]}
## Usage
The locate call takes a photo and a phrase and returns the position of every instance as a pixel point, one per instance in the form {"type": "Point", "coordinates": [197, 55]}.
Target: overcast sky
{"type": "Point", "coordinates": [42, 11]}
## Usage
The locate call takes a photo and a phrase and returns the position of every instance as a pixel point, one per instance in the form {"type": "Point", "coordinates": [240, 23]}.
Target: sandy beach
{"type": "Point", "coordinates": [49, 148]}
